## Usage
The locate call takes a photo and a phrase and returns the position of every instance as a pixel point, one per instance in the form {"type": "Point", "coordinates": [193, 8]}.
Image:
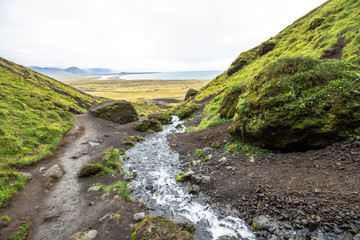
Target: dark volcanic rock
{"type": "Point", "coordinates": [119, 112]}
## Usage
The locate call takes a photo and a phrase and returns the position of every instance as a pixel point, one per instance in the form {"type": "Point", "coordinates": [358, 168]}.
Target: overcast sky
{"type": "Point", "coordinates": [141, 35]}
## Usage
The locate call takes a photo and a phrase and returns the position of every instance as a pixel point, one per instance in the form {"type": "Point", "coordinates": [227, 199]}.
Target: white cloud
{"type": "Point", "coordinates": [143, 35]}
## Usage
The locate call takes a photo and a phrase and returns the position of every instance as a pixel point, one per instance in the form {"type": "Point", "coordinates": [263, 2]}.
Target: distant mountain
{"type": "Point", "coordinates": [98, 70]}
{"type": "Point", "coordinates": [59, 72]}
{"type": "Point", "coordinates": [76, 70]}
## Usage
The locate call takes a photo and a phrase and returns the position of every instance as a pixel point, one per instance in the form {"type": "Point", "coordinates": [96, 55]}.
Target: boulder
{"type": "Point", "coordinates": [182, 223]}
{"type": "Point", "coordinates": [191, 93]}
{"type": "Point", "coordinates": [83, 235]}
{"type": "Point", "coordinates": [119, 112]}
{"type": "Point", "coordinates": [297, 104]}
{"type": "Point", "coordinates": [138, 217]}
{"type": "Point", "coordinates": [158, 227]}
{"type": "Point", "coordinates": [187, 110]}
{"type": "Point", "coordinates": [194, 189]}
{"type": "Point", "coordinates": [163, 118]}
{"type": "Point", "coordinates": [52, 174]}
{"type": "Point", "coordinates": [148, 125]}
{"type": "Point", "coordinates": [90, 169]}
{"type": "Point", "coordinates": [261, 222]}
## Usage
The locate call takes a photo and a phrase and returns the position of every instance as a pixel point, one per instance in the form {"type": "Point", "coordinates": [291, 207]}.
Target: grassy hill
{"type": "Point", "coordinates": [35, 112]}
{"type": "Point", "coordinates": [328, 35]}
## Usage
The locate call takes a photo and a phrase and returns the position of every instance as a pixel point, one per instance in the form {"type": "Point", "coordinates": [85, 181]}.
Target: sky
{"type": "Point", "coordinates": [141, 35]}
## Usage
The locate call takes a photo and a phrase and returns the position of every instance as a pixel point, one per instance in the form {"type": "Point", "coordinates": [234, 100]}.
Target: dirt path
{"type": "Point", "coordinates": [68, 207]}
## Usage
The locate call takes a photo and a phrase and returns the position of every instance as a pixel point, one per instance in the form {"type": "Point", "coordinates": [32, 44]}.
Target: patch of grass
{"type": "Point", "coordinates": [145, 107]}
{"type": "Point", "coordinates": [111, 161]}
{"type": "Point", "coordinates": [22, 232]}
{"type": "Point", "coordinates": [5, 219]}
{"type": "Point", "coordinates": [211, 122]}
{"type": "Point", "coordinates": [35, 112]}
{"type": "Point", "coordinates": [198, 153]}
{"type": "Point", "coordinates": [237, 147]}
{"type": "Point", "coordinates": [122, 188]}
{"type": "Point", "coordinates": [180, 177]}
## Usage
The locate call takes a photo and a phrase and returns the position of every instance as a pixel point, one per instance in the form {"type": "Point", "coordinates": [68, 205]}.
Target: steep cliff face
{"type": "Point", "coordinates": [312, 66]}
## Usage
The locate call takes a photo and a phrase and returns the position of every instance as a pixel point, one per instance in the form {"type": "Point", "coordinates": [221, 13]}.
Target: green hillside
{"type": "Point", "coordinates": [327, 37]}
{"type": "Point", "coordinates": [35, 112]}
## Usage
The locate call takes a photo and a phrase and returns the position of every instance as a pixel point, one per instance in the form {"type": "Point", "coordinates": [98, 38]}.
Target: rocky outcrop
{"type": "Point", "coordinates": [183, 223]}
{"type": "Point", "coordinates": [296, 104]}
{"type": "Point", "coordinates": [228, 104]}
{"type": "Point", "coordinates": [158, 228]}
{"type": "Point", "coordinates": [191, 93]}
{"type": "Point", "coordinates": [119, 112]}
{"type": "Point", "coordinates": [163, 118]}
{"type": "Point", "coordinates": [148, 125]}
{"type": "Point", "coordinates": [90, 169]}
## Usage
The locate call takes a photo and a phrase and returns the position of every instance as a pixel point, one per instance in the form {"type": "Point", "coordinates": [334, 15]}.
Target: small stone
{"type": "Point", "coordinates": [93, 144]}
{"type": "Point", "coordinates": [128, 176]}
{"type": "Point", "coordinates": [261, 222]}
{"type": "Point", "coordinates": [316, 190]}
{"type": "Point", "coordinates": [42, 169]}
{"type": "Point", "coordinates": [188, 174]}
{"type": "Point", "coordinates": [183, 223]}
{"type": "Point", "coordinates": [52, 217]}
{"type": "Point", "coordinates": [194, 189]}
{"type": "Point", "coordinates": [53, 173]}
{"type": "Point", "coordinates": [252, 160]}
{"type": "Point", "coordinates": [195, 163]}
{"type": "Point", "coordinates": [94, 188]}
{"type": "Point", "coordinates": [83, 235]}
{"type": "Point", "coordinates": [205, 179]}
{"type": "Point", "coordinates": [108, 217]}
{"type": "Point", "coordinates": [222, 160]}
{"type": "Point", "coordinates": [195, 178]}
{"type": "Point", "coordinates": [138, 217]}
{"type": "Point", "coordinates": [26, 174]}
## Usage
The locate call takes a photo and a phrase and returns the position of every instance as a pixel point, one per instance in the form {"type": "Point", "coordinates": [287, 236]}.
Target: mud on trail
{"type": "Point", "coordinates": [67, 207]}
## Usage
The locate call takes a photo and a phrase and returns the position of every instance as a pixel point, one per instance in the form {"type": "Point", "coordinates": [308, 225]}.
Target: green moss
{"type": "Point", "coordinates": [111, 161]}
{"type": "Point", "coordinates": [299, 103]}
{"type": "Point", "coordinates": [163, 118]}
{"type": "Point", "coordinates": [35, 112]}
{"type": "Point", "coordinates": [198, 153]}
{"type": "Point", "coordinates": [229, 102]}
{"type": "Point", "coordinates": [89, 169]}
{"type": "Point", "coordinates": [22, 233]}
{"type": "Point", "coordinates": [180, 177]}
{"type": "Point", "coordinates": [119, 112]}
{"type": "Point", "coordinates": [187, 110]}
{"type": "Point", "coordinates": [237, 147]}
{"type": "Point", "coordinates": [191, 93]}
{"type": "Point", "coordinates": [148, 125]}
{"type": "Point", "coordinates": [158, 227]}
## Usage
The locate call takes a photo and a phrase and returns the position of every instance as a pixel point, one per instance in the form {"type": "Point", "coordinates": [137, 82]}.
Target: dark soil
{"type": "Point", "coordinates": [67, 207]}
{"type": "Point", "coordinates": [318, 189]}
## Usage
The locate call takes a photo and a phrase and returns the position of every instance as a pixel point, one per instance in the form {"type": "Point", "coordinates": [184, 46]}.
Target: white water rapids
{"type": "Point", "coordinates": [157, 166]}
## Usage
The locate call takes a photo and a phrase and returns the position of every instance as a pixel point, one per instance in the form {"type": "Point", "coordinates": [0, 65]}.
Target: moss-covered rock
{"type": "Point", "coordinates": [148, 125]}
{"type": "Point", "coordinates": [296, 104]}
{"type": "Point", "coordinates": [164, 118]}
{"type": "Point", "coordinates": [119, 112]}
{"type": "Point", "coordinates": [191, 93]}
{"type": "Point", "coordinates": [90, 169]}
{"type": "Point", "coordinates": [228, 104]}
{"type": "Point", "coordinates": [187, 110]}
{"type": "Point", "coordinates": [265, 48]}
{"type": "Point", "coordinates": [158, 228]}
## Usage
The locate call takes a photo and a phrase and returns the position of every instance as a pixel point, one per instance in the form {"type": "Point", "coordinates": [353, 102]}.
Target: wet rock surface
{"type": "Point", "coordinates": [314, 194]}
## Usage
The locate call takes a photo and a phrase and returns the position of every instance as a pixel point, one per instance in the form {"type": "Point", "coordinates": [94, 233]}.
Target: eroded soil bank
{"type": "Point", "coordinates": [67, 207]}
{"type": "Point", "coordinates": [306, 192]}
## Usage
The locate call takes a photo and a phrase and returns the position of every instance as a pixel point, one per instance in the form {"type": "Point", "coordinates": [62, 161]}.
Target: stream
{"type": "Point", "coordinates": [157, 166]}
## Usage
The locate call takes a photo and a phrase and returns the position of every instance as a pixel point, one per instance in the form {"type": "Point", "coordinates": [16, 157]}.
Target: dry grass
{"type": "Point", "coordinates": [135, 89]}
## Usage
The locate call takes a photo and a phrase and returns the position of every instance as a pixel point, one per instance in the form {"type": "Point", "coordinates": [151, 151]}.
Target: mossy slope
{"type": "Point", "coordinates": [35, 111]}
{"type": "Point", "coordinates": [327, 33]}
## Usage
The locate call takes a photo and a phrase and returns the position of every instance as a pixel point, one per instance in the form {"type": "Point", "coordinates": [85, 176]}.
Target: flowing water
{"type": "Point", "coordinates": [157, 167]}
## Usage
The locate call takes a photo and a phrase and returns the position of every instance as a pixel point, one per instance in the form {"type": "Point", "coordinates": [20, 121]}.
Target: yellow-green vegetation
{"type": "Point", "coordinates": [148, 125]}
{"type": "Point", "coordinates": [122, 189]}
{"type": "Point", "coordinates": [163, 118]}
{"type": "Point", "coordinates": [300, 103]}
{"type": "Point", "coordinates": [237, 147]}
{"type": "Point", "coordinates": [185, 110]}
{"type": "Point", "coordinates": [304, 72]}
{"type": "Point", "coordinates": [144, 108]}
{"type": "Point", "coordinates": [22, 233]}
{"type": "Point", "coordinates": [132, 90]}
{"type": "Point", "coordinates": [180, 177]}
{"type": "Point", "coordinates": [90, 169]}
{"type": "Point", "coordinates": [111, 161]}
{"type": "Point", "coordinates": [35, 112]}
{"type": "Point", "coordinates": [5, 219]}
{"type": "Point", "coordinates": [198, 153]}
{"type": "Point", "coordinates": [158, 227]}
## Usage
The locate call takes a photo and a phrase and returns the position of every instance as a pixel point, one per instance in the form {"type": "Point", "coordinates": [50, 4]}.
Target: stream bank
{"type": "Point", "coordinates": [314, 194]}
